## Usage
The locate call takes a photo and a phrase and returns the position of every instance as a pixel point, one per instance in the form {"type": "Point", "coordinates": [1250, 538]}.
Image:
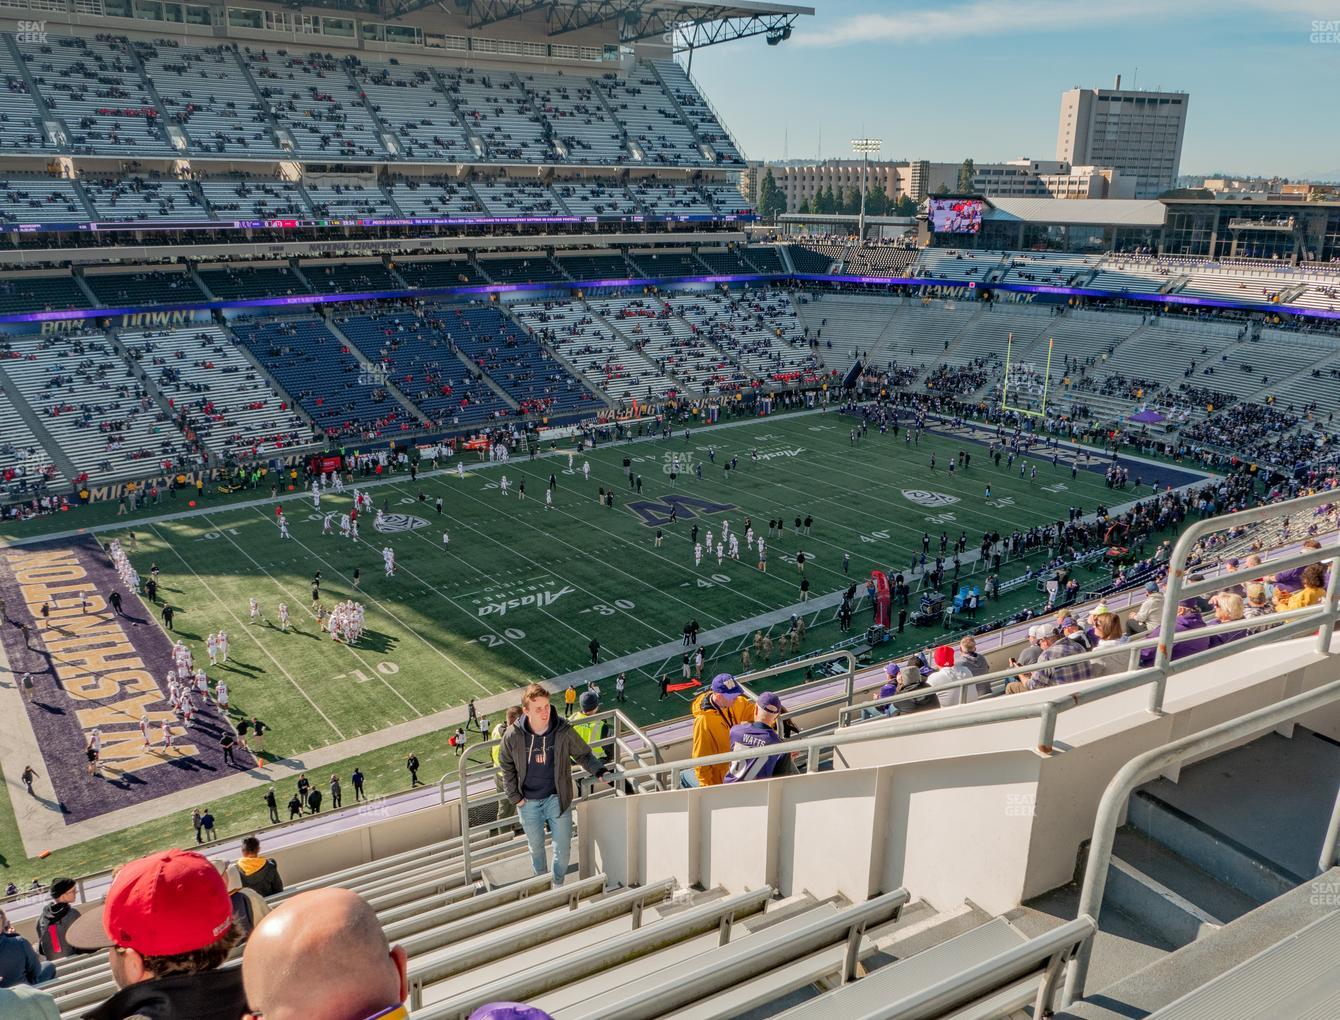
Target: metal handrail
{"type": "Point", "coordinates": [1277, 622]}
{"type": "Point", "coordinates": [1296, 622]}
{"type": "Point", "coordinates": [1144, 767]}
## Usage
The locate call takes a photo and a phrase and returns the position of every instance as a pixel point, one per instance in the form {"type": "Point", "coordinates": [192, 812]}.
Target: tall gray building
{"type": "Point", "coordinates": [1138, 133]}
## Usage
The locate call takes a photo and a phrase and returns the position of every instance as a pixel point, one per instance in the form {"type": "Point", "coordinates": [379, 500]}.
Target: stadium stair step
{"type": "Point", "coordinates": [1173, 975]}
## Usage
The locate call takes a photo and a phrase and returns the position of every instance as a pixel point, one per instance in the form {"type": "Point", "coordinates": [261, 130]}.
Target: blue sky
{"type": "Point", "coordinates": [948, 79]}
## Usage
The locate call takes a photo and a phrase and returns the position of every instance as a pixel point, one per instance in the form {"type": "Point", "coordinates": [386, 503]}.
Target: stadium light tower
{"type": "Point", "coordinates": [865, 146]}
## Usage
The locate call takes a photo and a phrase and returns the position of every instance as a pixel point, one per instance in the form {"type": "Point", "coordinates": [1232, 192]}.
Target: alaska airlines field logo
{"type": "Point", "coordinates": [921, 497]}
{"type": "Point", "coordinates": [400, 522]}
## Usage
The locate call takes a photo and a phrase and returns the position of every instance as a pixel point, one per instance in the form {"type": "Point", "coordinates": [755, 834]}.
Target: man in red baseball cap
{"type": "Point", "coordinates": [168, 925]}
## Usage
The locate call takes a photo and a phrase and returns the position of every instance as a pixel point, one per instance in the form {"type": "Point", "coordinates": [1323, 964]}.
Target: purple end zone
{"type": "Point", "coordinates": [97, 668]}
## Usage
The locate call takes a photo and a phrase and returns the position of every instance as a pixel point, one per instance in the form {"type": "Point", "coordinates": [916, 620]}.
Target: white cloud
{"type": "Point", "coordinates": [980, 18]}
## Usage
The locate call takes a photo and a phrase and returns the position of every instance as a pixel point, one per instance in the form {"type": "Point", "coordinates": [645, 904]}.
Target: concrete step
{"type": "Point", "coordinates": [1166, 892]}
{"type": "Point", "coordinates": [1212, 851]}
{"type": "Point", "coordinates": [1173, 975]}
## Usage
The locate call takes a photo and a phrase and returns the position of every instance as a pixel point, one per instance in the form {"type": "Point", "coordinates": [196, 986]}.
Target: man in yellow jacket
{"type": "Point", "coordinates": [715, 711]}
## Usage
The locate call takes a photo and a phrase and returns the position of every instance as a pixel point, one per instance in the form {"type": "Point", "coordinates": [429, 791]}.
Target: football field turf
{"type": "Point", "coordinates": [520, 591]}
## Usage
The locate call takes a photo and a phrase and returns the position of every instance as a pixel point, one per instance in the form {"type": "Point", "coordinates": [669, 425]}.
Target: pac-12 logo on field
{"type": "Point", "coordinates": [400, 522]}
{"type": "Point", "coordinates": [922, 497]}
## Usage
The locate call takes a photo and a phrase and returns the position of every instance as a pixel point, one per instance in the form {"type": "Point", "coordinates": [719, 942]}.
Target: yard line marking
{"type": "Point", "coordinates": [382, 603]}
{"type": "Point", "coordinates": [298, 601]}
{"type": "Point", "coordinates": [242, 629]}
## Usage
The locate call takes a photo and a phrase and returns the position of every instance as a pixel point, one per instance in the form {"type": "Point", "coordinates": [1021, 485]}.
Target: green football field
{"type": "Point", "coordinates": [520, 590]}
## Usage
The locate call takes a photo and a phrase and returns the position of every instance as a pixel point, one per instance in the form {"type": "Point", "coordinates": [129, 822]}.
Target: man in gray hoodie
{"type": "Point", "coordinates": [976, 665]}
{"type": "Point", "coordinates": [535, 759]}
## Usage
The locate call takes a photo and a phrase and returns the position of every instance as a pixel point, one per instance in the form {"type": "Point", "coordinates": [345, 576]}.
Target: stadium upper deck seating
{"type": "Point", "coordinates": [578, 118]}
{"type": "Point", "coordinates": [207, 93]}
{"type": "Point", "coordinates": [586, 341]}
{"type": "Point", "coordinates": [351, 199]}
{"type": "Point", "coordinates": [669, 199]}
{"type": "Point", "coordinates": [515, 361]}
{"type": "Point", "coordinates": [313, 97]}
{"type": "Point", "coordinates": [498, 110]}
{"type": "Point", "coordinates": [511, 197]}
{"type": "Point", "coordinates": [254, 198]}
{"type": "Point", "coordinates": [131, 199]}
{"type": "Point", "coordinates": [329, 383]}
{"type": "Point", "coordinates": [40, 200]}
{"type": "Point", "coordinates": [228, 404]}
{"type": "Point", "coordinates": [699, 114]}
{"type": "Point", "coordinates": [663, 265]}
{"type": "Point", "coordinates": [95, 409]}
{"type": "Point", "coordinates": [20, 120]}
{"type": "Point", "coordinates": [96, 90]}
{"type": "Point", "coordinates": [409, 102]}
{"type": "Point", "coordinates": [650, 118]}
{"type": "Point", "coordinates": [814, 258]}
{"type": "Point", "coordinates": [596, 198]}
{"type": "Point", "coordinates": [434, 198]}
{"type": "Point", "coordinates": [420, 362]}
{"type": "Point", "coordinates": [595, 267]}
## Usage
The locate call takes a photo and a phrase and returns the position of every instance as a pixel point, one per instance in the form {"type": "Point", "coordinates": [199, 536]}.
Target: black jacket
{"type": "Point", "coordinates": [568, 745]}
{"type": "Point", "coordinates": [55, 919]}
{"type": "Point", "coordinates": [265, 881]}
{"type": "Point", "coordinates": [208, 995]}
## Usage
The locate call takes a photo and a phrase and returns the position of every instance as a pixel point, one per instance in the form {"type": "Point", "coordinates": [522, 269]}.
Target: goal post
{"type": "Point", "coordinates": [1025, 388]}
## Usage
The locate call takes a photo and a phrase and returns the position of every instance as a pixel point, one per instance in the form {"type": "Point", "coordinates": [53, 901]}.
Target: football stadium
{"type": "Point", "coordinates": [476, 544]}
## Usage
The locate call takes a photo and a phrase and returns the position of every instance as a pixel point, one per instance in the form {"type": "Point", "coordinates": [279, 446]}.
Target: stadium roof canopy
{"type": "Point", "coordinates": [694, 23]}
{"type": "Point", "coordinates": [1078, 212]}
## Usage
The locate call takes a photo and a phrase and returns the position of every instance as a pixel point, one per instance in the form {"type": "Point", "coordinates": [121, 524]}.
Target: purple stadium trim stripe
{"type": "Point", "coordinates": [104, 670]}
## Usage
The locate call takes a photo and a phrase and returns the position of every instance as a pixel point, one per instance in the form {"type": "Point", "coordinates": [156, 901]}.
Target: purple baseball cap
{"type": "Point", "coordinates": [771, 702]}
{"type": "Point", "coordinates": [724, 684]}
{"type": "Point", "coordinates": [892, 669]}
{"type": "Point", "coordinates": [509, 1011]}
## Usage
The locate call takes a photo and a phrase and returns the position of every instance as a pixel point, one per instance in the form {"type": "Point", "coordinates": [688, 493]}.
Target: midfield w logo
{"type": "Point", "coordinates": [656, 512]}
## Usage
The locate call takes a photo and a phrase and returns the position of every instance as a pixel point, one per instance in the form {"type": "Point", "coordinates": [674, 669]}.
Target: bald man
{"type": "Point", "coordinates": [322, 956]}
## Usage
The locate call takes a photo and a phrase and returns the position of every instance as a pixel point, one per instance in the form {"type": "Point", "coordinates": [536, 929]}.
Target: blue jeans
{"type": "Point", "coordinates": [534, 814]}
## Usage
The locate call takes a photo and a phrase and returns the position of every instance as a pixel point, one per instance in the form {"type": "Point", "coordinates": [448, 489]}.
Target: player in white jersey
{"type": "Point", "coordinates": [721, 550]}
{"type": "Point", "coordinates": [586, 470]}
{"type": "Point", "coordinates": [725, 529]}
{"type": "Point", "coordinates": [255, 608]}
{"type": "Point", "coordinates": [460, 469]}
{"type": "Point", "coordinates": [735, 547]}
{"type": "Point", "coordinates": [212, 647]}
{"type": "Point", "coordinates": [344, 525]}
{"type": "Point", "coordinates": [697, 554]}
{"type": "Point", "coordinates": [186, 709]}
{"type": "Point", "coordinates": [202, 685]}
{"type": "Point", "coordinates": [223, 646]}
{"type": "Point", "coordinates": [502, 484]}
{"type": "Point", "coordinates": [283, 617]}
{"type": "Point", "coordinates": [221, 695]}
{"type": "Point", "coordinates": [283, 526]}
{"type": "Point", "coordinates": [353, 530]}
{"type": "Point", "coordinates": [446, 540]}
{"type": "Point", "coordinates": [316, 496]}
{"type": "Point", "coordinates": [337, 481]}
{"type": "Point", "coordinates": [325, 523]}
{"type": "Point", "coordinates": [388, 560]}
{"type": "Point", "coordinates": [569, 460]}
{"type": "Point", "coordinates": [548, 499]}
{"type": "Point", "coordinates": [762, 555]}
{"type": "Point", "coordinates": [167, 735]}
{"type": "Point", "coordinates": [709, 540]}
{"type": "Point", "coordinates": [144, 727]}
{"type": "Point", "coordinates": [749, 537]}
